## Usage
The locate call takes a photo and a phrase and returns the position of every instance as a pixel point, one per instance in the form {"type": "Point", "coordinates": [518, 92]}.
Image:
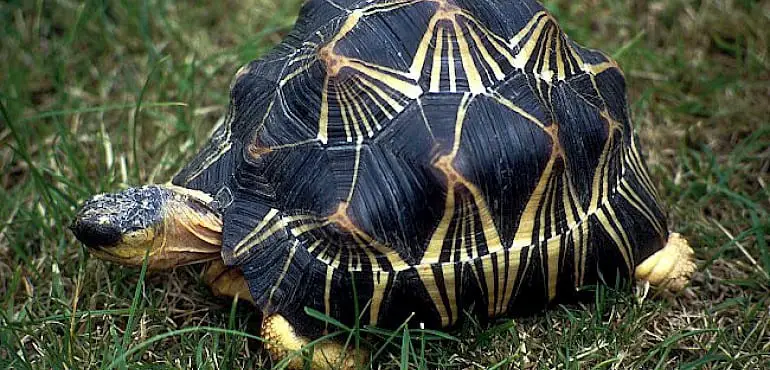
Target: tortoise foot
{"type": "Point", "coordinates": [669, 268]}
{"type": "Point", "coordinates": [226, 281]}
{"type": "Point", "coordinates": [284, 343]}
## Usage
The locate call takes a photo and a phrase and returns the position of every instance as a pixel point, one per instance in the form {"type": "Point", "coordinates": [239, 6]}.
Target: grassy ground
{"type": "Point", "coordinates": [98, 95]}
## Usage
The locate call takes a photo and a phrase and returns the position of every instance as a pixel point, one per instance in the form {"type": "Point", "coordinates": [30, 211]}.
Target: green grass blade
{"type": "Point", "coordinates": [133, 311]}
{"type": "Point", "coordinates": [405, 346]}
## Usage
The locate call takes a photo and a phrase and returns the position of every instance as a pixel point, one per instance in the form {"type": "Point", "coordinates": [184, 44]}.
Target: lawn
{"type": "Point", "coordinates": [101, 95]}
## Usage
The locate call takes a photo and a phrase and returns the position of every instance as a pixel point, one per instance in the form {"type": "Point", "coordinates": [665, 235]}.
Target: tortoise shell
{"type": "Point", "coordinates": [415, 158]}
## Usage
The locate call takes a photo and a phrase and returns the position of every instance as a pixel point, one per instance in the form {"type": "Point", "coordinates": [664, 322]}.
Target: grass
{"type": "Point", "coordinates": [99, 95]}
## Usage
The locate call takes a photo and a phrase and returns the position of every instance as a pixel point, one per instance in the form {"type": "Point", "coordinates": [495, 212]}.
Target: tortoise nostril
{"type": "Point", "coordinates": [95, 234]}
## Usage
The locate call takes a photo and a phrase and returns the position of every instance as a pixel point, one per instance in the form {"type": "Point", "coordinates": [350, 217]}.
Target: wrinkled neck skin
{"type": "Point", "coordinates": [171, 225]}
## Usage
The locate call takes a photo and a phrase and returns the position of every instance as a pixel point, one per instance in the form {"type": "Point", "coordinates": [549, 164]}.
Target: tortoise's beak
{"type": "Point", "coordinates": [170, 226]}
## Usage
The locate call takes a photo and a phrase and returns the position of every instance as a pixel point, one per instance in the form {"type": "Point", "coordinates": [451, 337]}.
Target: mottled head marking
{"type": "Point", "coordinates": [105, 218]}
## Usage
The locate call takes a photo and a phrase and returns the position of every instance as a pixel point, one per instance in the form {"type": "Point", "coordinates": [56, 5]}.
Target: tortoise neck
{"type": "Point", "coordinates": [191, 230]}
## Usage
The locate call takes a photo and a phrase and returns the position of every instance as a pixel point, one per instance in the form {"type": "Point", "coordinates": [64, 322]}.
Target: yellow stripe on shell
{"type": "Point", "coordinates": [379, 284]}
{"type": "Point", "coordinates": [472, 75]}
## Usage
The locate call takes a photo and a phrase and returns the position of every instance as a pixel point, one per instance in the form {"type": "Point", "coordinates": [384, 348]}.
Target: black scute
{"type": "Point", "coordinates": [316, 14]}
{"type": "Point", "coordinates": [251, 90]}
{"type": "Point", "coordinates": [506, 155]}
{"type": "Point", "coordinates": [389, 38]}
{"type": "Point", "coordinates": [503, 17]}
{"type": "Point", "coordinates": [583, 135]}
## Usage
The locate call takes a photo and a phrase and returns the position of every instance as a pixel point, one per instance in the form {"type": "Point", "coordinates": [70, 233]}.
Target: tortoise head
{"type": "Point", "coordinates": [170, 225]}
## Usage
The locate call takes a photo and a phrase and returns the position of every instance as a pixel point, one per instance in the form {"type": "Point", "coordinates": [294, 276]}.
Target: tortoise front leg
{"type": "Point", "coordinates": [669, 268]}
{"type": "Point", "coordinates": [281, 338]}
{"type": "Point", "coordinates": [283, 341]}
{"type": "Point", "coordinates": [226, 281]}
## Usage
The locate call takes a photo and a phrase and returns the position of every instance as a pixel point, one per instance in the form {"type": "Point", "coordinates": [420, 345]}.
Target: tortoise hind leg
{"type": "Point", "coordinates": [669, 268]}
{"type": "Point", "coordinates": [283, 340]}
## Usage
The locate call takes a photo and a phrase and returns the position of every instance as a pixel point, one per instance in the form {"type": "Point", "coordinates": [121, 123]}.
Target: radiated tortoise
{"type": "Point", "coordinates": [412, 159]}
